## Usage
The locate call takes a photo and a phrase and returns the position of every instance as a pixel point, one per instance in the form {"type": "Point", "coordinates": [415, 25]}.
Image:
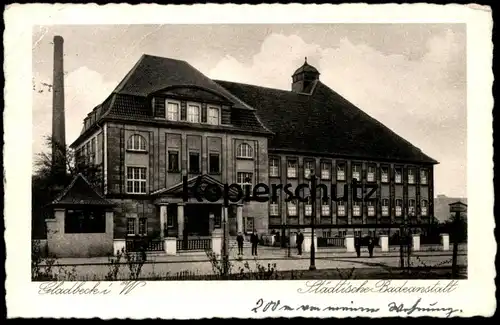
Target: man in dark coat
{"type": "Point", "coordinates": [300, 240]}
{"type": "Point", "coordinates": [254, 239]}
{"type": "Point", "coordinates": [357, 245]}
{"type": "Point", "coordinates": [371, 245]}
{"type": "Point", "coordinates": [240, 240]}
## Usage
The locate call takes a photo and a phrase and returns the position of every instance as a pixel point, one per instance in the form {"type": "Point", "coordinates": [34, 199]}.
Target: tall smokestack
{"type": "Point", "coordinates": [58, 125]}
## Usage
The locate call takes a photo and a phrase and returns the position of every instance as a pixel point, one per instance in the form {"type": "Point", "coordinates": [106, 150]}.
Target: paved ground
{"type": "Point", "coordinates": [97, 268]}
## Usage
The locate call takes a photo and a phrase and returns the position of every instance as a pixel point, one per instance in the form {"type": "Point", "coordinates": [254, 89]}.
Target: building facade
{"type": "Point", "coordinates": [166, 122]}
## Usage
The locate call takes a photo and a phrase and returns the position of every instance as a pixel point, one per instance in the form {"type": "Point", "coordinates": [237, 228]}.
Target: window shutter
{"type": "Point", "coordinates": [183, 111]}
{"type": "Point", "coordinates": [203, 113]}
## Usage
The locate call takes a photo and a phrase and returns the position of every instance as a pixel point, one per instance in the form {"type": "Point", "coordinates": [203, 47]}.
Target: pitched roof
{"type": "Point", "coordinates": [154, 73]}
{"type": "Point", "coordinates": [80, 192]}
{"type": "Point", "coordinates": [323, 123]}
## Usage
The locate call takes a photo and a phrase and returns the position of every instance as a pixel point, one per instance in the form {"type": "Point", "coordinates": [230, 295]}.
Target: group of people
{"type": "Point", "coordinates": [254, 240]}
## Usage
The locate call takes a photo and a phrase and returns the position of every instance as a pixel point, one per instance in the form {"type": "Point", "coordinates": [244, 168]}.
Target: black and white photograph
{"type": "Point", "coordinates": [189, 166]}
{"type": "Point", "coordinates": [333, 154]}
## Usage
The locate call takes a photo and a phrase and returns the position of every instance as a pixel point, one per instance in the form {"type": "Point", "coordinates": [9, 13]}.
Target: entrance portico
{"type": "Point", "coordinates": [180, 217]}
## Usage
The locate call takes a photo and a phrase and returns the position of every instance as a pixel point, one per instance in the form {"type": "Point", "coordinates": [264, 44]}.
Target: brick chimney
{"type": "Point", "coordinates": [58, 123]}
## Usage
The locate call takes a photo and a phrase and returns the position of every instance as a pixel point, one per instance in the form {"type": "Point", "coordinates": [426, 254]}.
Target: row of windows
{"type": "Point", "coordinates": [136, 176]}
{"type": "Point", "coordinates": [325, 174]}
{"type": "Point", "coordinates": [87, 152]}
{"type": "Point", "coordinates": [196, 113]}
{"type": "Point", "coordinates": [356, 208]}
{"type": "Point", "coordinates": [137, 226]}
{"type": "Point", "coordinates": [136, 142]}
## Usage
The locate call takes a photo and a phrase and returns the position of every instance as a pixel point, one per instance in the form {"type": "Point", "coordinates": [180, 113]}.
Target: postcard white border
{"type": "Point", "coordinates": [475, 296]}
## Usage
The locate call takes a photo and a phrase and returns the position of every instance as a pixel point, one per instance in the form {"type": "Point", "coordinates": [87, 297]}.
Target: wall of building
{"type": "Point", "coordinates": [390, 190]}
{"type": "Point", "coordinates": [159, 142]}
{"type": "Point", "coordinates": [61, 244]}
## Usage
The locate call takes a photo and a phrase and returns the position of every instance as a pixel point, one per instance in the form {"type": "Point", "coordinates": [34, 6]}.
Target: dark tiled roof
{"type": "Point", "coordinates": [323, 122]}
{"type": "Point", "coordinates": [153, 73]}
{"type": "Point", "coordinates": [80, 192]}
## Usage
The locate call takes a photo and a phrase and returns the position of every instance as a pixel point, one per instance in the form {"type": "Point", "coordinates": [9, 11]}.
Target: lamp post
{"type": "Point", "coordinates": [312, 191]}
{"type": "Point", "coordinates": [225, 243]}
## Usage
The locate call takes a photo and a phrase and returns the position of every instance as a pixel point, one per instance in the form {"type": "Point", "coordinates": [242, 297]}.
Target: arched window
{"type": "Point", "coordinates": [136, 142]}
{"type": "Point", "coordinates": [244, 151]}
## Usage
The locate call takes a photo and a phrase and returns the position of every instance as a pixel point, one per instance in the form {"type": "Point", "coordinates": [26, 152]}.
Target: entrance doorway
{"type": "Point", "coordinates": [197, 218]}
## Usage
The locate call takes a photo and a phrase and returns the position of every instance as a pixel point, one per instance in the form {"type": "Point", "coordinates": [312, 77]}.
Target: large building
{"type": "Point", "coordinates": [166, 120]}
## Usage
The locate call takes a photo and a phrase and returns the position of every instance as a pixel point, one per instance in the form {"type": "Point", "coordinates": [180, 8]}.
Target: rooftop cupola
{"type": "Point", "coordinates": [304, 78]}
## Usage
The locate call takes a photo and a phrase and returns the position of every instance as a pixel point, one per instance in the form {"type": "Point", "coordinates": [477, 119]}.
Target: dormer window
{"type": "Point", "coordinates": [213, 115]}
{"type": "Point", "coordinates": [244, 151]}
{"type": "Point", "coordinates": [136, 143]}
{"type": "Point", "coordinates": [193, 114]}
{"type": "Point", "coordinates": [172, 110]}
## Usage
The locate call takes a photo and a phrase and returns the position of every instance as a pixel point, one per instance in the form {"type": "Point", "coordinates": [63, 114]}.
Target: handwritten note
{"type": "Point", "coordinates": [397, 308]}
{"type": "Point", "coordinates": [89, 288]}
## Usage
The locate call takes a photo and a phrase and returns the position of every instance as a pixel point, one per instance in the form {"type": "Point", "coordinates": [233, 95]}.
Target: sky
{"type": "Point", "coordinates": [410, 77]}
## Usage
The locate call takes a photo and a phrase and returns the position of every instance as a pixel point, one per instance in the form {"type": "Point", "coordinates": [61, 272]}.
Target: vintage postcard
{"type": "Point", "coordinates": [249, 161]}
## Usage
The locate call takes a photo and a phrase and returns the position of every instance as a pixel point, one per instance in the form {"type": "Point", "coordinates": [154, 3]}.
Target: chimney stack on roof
{"type": "Point", "coordinates": [58, 122]}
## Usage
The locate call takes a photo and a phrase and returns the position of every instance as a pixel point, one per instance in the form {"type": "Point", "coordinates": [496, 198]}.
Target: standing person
{"type": "Point", "coordinates": [254, 239]}
{"type": "Point", "coordinates": [357, 245]}
{"type": "Point", "coordinates": [300, 240]}
{"type": "Point", "coordinates": [240, 240]}
{"type": "Point", "coordinates": [371, 245]}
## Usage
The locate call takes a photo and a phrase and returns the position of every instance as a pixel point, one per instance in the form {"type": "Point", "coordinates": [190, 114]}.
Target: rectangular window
{"type": "Point", "coordinates": [423, 208]}
{"type": "Point", "coordinates": [357, 233]}
{"type": "Point", "coordinates": [341, 209]}
{"type": "Point", "coordinates": [84, 221]}
{"type": "Point", "coordinates": [249, 225]}
{"type": "Point", "coordinates": [172, 111]}
{"type": "Point", "coordinates": [130, 226]}
{"type": "Point", "coordinates": [273, 209]}
{"type": "Point", "coordinates": [325, 210]}
{"type": "Point", "coordinates": [370, 176]}
{"type": "Point", "coordinates": [411, 208]}
{"type": "Point", "coordinates": [136, 180]}
{"type": "Point", "coordinates": [399, 208]}
{"type": "Point", "coordinates": [371, 209]}
{"type": "Point", "coordinates": [411, 176]}
{"type": "Point", "coordinates": [325, 170]}
{"type": "Point", "coordinates": [170, 220]}
{"type": "Point", "coordinates": [342, 233]}
{"type": "Point", "coordinates": [356, 172]}
{"type": "Point", "coordinates": [341, 172]}
{"type": "Point", "coordinates": [159, 110]}
{"type": "Point", "coordinates": [274, 168]}
{"type": "Point", "coordinates": [214, 163]}
{"type": "Point", "coordinates": [213, 115]}
{"type": "Point", "coordinates": [291, 171]}
{"type": "Point", "coordinates": [308, 210]}
{"type": "Point", "coordinates": [423, 176]}
{"type": "Point", "coordinates": [292, 209]}
{"type": "Point", "coordinates": [194, 162]}
{"type": "Point", "coordinates": [384, 178]}
{"type": "Point", "coordinates": [398, 178]}
{"type": "Point", "coordinates": [193, 113]}
{"type": "Point", "coordinates": [173, 161]}
{"type": "Point", "coordinates": [385, 207]}
{"type": "Point", "coordinates": [93, 151]}
{"type": "Point", "coordinates": [217, 220]}
{"type": "Point", "coordinates": [356, 209]}
{"type": "Point", "coordinates": [244, 178]}
{"type": "Point", "coordinates": [143, 226]}
{"type": "Point", "coordinates": [308, 169]}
